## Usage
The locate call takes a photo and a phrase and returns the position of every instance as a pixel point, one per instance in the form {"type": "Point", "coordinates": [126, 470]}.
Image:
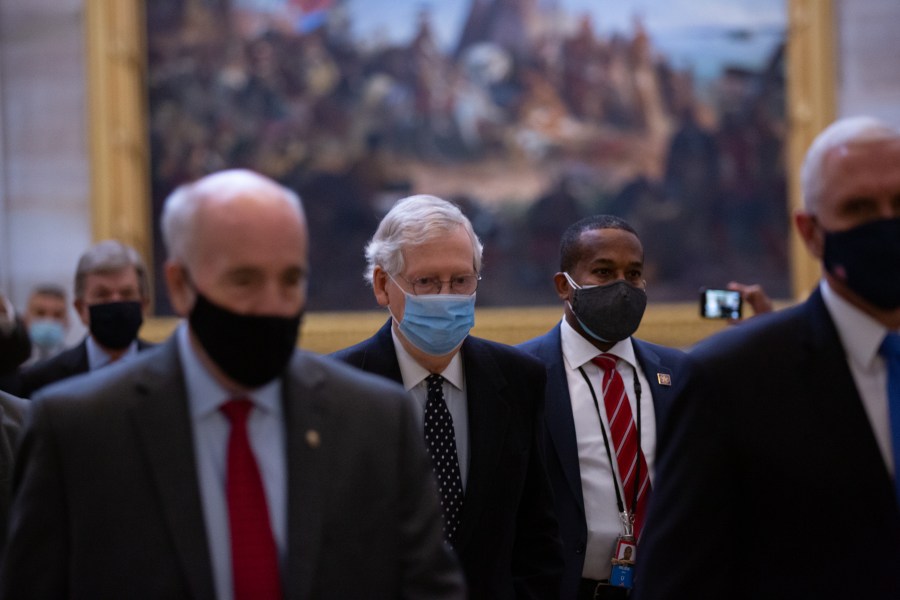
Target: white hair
{"type": "Point", "coordinates": [178, 221]}
{"type": "Point", "coordinates": [841, 132]}
{"type": "Point", "coordinates": [412, 221]}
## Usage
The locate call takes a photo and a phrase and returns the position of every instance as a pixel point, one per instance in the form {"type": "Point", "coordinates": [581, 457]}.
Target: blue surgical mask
{"type": "Point", "coordinates": [437, 323]}
{"type": "Point", "coordinates": [46, 334]}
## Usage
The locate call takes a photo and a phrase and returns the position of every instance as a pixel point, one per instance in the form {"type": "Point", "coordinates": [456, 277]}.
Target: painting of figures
{"type": "Point", "coordinates": [527, 113]}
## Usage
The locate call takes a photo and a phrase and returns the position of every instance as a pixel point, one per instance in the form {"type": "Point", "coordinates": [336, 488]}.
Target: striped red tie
{"type": "Point", "coordinates": [629, 457]}
{"type": "Point", "coordinates": [254, 557]}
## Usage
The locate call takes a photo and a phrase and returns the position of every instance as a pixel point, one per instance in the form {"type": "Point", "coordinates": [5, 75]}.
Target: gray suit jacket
{"type": "Point", "coordinates": [107, 502]}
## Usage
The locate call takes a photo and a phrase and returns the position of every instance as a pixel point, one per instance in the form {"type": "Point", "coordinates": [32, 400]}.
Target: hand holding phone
{"type": "Point", "coordinates": [720, 304]}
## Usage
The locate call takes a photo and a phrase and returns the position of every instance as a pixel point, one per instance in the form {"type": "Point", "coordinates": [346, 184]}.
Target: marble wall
{"type": "Point", "coordinates": [45, 220]}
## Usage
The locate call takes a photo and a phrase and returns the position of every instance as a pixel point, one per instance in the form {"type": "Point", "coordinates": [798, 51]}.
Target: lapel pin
{"type": "Point", "coordinates": [313, 439]}
{"type": "Point", "coordinates": [664, 378]}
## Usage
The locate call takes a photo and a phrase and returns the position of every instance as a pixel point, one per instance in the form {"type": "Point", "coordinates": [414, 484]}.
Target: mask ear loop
{"type": "Point", "coordinates": [405, 293]}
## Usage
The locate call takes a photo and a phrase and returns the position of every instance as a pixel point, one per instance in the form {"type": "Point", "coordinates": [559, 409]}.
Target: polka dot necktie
{"type": "Point", "coordinates": [441, 441]}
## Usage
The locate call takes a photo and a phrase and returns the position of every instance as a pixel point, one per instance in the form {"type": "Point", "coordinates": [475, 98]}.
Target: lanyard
{"type": "Point", "coordinates": [637, 475]}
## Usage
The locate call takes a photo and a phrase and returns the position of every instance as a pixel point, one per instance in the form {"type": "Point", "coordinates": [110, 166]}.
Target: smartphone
{"type": "Point", "coordinates": [720, 304]}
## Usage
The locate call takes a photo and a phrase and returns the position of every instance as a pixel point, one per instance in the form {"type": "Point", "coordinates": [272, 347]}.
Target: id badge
{"type": "Point", "coordinates": [622, 574]}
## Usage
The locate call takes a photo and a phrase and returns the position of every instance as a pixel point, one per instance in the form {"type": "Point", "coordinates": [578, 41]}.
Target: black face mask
{"type": "Point", "coordinates": [250, 349]}
{"type": "Point", "coordinates": [866, 258]}
{"type": "Point", "coordinates": [609, 313]}
{"type": "Point", "coordinates": [115, 324]}
{"type": "Point", "coordinates": [15, 347]}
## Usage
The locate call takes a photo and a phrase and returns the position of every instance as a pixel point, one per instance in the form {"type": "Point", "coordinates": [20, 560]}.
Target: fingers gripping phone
{"type": "Point", "coordinates": [720, 304]}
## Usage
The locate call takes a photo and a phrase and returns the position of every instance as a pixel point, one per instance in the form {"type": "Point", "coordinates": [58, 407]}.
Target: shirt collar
{"type": "Point", "coordinates": [860, 334]}
{"type": "Point", "coordinates": [413, 373]}
{"type": "Point", "coordinates": [206, 395]}
{"type": "Point", "coordinates": [98, 357]}
{"type": "Point", "coordinates": [577, 350]}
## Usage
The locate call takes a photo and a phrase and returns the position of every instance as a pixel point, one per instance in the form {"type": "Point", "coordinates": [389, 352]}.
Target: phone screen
{"type": "Point", "coordinates": [720, 304]}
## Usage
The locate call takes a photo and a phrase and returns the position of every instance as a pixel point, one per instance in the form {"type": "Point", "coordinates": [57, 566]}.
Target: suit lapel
{"type": "Point", "coordinates": [655, 371]}
{"type": "Point", "coordinates": [163, 425]}
{"type": "Point", "coordinates": [827, 389]}
{"type": "Point", "coordinates": [77, 362]}
{"type": "Point", "coordinates": [488, 421]}
{"type": "Point", "coordinates": [559, 420]}
{"type": "Point", "coordinates": [307, 421]}
{"type": "Point", "coordinates": [381, 356]}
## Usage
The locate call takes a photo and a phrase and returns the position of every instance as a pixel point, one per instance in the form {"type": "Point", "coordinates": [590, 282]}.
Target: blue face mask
{"type": "Point", "coordinates": [437, 323]}
{"type": "Point", "coordinates": [46, 334]}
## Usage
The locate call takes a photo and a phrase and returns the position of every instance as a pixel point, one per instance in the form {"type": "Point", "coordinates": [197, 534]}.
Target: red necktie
{"type": "Point", "coordinates": [629, 457]}
{"type": "Point", "coordinates": [254, 557]}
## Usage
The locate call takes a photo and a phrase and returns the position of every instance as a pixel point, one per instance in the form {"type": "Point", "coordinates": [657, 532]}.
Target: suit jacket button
{"type": "Point", "coordinates": [580, 548]}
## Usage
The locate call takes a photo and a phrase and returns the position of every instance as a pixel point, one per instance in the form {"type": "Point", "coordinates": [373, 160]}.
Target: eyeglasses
{"type": "Point", "coordinates": [459, 284]}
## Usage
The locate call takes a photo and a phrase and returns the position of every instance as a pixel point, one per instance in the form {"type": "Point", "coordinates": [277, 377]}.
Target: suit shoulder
{"type": "Point", "coordinates": [770, 330]}
{"type": "Point", "coordinates": [666, 352]}
{"type": "Point", "coordinates": [109, 381]}
{"type": "Point", "coordinates": [507, 354]}
{"type": "Point", "coordinates": [533, 345]}
{"type": "Point", "coordinates": [353, 354]}
{"type": "Point", "coordinates": [336, 372]}
{"type": "Point", "coordinates": [67, 363]}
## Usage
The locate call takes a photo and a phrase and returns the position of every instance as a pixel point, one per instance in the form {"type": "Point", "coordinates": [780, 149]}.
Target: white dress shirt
{"type": "Point", "coordinates": [211, 430]}
{"type": "Point", "coordinates": [861, 336]}
{"type": "Point", "coordinates": [604, 523]}
{"type": "Point", "coordinates": [414, 376]}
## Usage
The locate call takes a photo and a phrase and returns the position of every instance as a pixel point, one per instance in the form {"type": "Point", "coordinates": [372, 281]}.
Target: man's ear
{"type": "Point", "coordinates": [563, 289]}
{"type": "Point", "coordinates": [810, 233]}
{"type": "Point", "coordinates": [84, 314]}
{"type": "Point", "coordinates": [181, 293]}
{"type": "Point", "coordinates": [379, 286]}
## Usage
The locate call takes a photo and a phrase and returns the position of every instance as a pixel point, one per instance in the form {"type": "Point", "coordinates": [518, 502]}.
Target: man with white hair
{"type": "Point", "coordinates": [224, 463]}
{"type": "Point", "coordinates": [778, 476]}
{"type": "Point", "coordinates": [480, 403]}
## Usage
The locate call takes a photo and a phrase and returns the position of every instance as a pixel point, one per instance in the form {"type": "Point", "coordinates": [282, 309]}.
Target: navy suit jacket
{"type": "Point", "coordinates": [67, 363]}
{"type": "Point", "coordinates": [561, 443]}
{"type": "Point", "coordinates": [771, 483]}
{"type": "Point", "coordinates": [12, 413]}
{"type": "Point", "coordinates": [508, 541]}
{"type": "Point", "coordinates": [107, 502]}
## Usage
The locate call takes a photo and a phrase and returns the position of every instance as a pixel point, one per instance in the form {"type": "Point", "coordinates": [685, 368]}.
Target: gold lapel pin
{"type": "Point", "coordinates": [313, 439]}
{"type": "Point", "coordinates": [664, 378]}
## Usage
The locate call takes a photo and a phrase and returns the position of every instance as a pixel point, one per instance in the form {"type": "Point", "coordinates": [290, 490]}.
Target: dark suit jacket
{"type": "Point", "coordinates": [67, 363]}
{"type": "Point", "coordinates": [508, 541]}
{"type": "Point", "coordinates": [107, 503]}
{"type": "Point", "coordinates": [771, 483]}
{"type": "Point", "coordinates": [12, 413]}
{"type": "Point", "coordinates": [561, 443]}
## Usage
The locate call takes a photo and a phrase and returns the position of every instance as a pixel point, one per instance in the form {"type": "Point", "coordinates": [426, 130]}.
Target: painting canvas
{"type": "Point", "coordinates": [529, 114]}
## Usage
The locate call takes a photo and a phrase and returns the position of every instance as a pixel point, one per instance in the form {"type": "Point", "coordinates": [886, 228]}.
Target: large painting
{"type": "Point", "coordinates": [527, 113]}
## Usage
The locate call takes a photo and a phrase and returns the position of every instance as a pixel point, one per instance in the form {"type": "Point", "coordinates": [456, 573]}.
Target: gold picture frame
{"type": "Point", "coordinates": [120, 204]}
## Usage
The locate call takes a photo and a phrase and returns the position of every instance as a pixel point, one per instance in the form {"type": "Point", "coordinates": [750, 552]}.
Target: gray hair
{"type": "Point", "coordinates": [178, 221]}
{"type": "Point", "coordinates": [110, 256]}
{"type": "Point", "coordinates": [841, 132]}
{"type": "Point", "coordinates": [412, 221]}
